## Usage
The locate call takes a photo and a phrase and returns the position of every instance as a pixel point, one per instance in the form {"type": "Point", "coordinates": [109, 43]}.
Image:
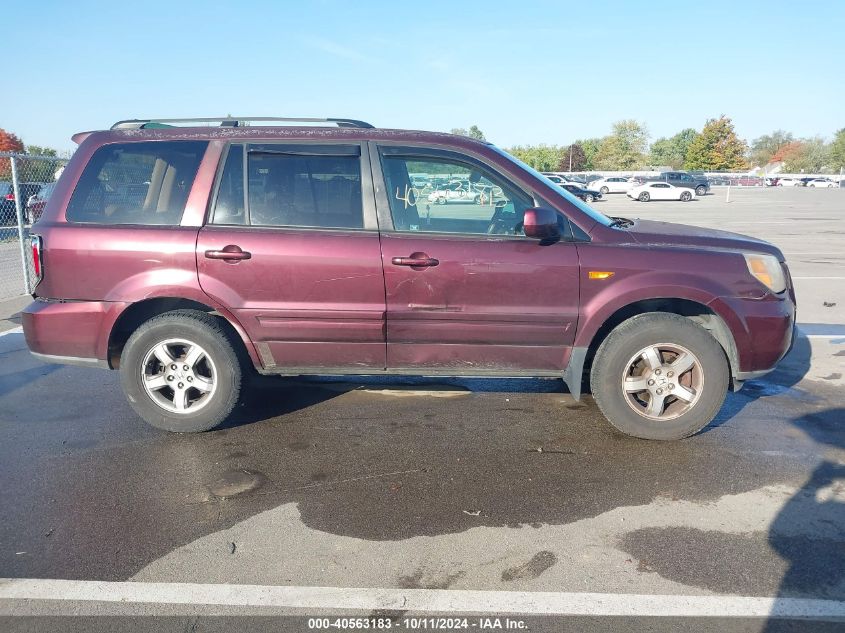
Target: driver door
{"type": "Point", "coordinates": [467, 293]}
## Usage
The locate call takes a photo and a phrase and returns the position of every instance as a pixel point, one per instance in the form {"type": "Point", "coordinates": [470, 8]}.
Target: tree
{"type": "Point", "coordinates": [460, 131]}
{"type": "Point", "coordinates": [476, 133]}
{"type": "Point", "coordinates": [837, 151]}
{"type": "Point", "coordinates": [8, 143]}
{"type": "Point", "coordinates": [717, 147]}
{"type": "Point", "coordinates": [624, 148]}
{"type": "Point", "coordinates": [811, 156]}
{"type": "Point", "coordinates": [786, 152]}
{"type": "Point", "coordinates": [672, 152]}
{"type": "Point", "coordinates": [573, 159]}
{"type": "Point", "coordinates": [766, 146]}
{"type": "Point", "coordinates": [591, 148]}
{"type": "Point", "coordinates": [37, 150]}
{"type": "Point", "coordinates": [540, 157]}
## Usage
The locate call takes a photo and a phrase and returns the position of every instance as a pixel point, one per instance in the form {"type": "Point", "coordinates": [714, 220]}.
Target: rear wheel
{"type": "Point", "coordinates": [180, 372]}
{"type": "Point", "coordinates": [644, 197]}
{"type": "Point", "coordinates": [604, 190]}
{"type": "Point", "coordinates": [686, 196]}
{"type": "Point", "coordinates": [659, 376]}
{"type": "Point", "coordinates": [700, 190]}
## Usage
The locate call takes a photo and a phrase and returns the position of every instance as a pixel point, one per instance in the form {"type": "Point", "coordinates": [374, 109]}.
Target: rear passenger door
{"type": "Point", "coordinates": [292, 248]}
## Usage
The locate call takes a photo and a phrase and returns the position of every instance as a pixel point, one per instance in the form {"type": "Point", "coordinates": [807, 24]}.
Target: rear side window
{"type": "Point", "coordinates": [310, 190]}
{"type": "Point", "coordinates": [136, 183]}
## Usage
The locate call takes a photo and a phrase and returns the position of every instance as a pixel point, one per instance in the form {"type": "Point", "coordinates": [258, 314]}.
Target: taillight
{"type": "Point", "coordinates": [35, 242]}
{"type": "Point", "coordinates": [10, 196]}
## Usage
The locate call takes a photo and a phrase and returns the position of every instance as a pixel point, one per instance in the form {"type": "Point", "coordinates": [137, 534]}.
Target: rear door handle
{"type": "Point", "coordinates": [416, 260]}
{"type": "Point", "coordinates": [231, 253]}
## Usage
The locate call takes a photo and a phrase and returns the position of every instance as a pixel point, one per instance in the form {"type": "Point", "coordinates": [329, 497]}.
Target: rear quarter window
{"type": "Point", "coordinates": [136, 183]}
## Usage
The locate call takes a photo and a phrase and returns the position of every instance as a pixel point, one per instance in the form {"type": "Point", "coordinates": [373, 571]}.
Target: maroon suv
{"type": "Point", "coordinates": [190, 257]}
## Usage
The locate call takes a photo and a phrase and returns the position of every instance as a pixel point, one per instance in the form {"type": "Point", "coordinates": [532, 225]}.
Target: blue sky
{"type": "Point", "coordinates": [526, 72]}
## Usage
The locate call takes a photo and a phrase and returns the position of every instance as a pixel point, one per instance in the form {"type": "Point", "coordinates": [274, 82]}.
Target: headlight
{"type": "Point", "coordinates": [767, 270]}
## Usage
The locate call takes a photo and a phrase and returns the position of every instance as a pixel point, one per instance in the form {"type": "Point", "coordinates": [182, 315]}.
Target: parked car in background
{"type": "Point", "coordinates": [612, 184]}
{"type": "Point", "coordinates": [789, 182]}
{"type": "Point", "coordinates": [36, 203]}
{"type": "Point", "coordinates": [805, 181]}
{"type": "Point", "coordinates": [822, 182]}
{"type": "Point", "coordinates": [772, 181]}
{"type": "Point", "coordinates": [587, 195]}
{"type": "Point", "coordinates": [454, 192]}
{"type": "Point", "coordinates": [558, 179]}
{"type": "Point", "coordinates": [187, 259]}
{"type": "Point", "coordinates": [719, 181]}
{"type": "Point", "coordinates": [8, 209]}
{"type": "Point", "coordinates": [661, 191]}
{"type": "Point", "coordinates": [699, 184]}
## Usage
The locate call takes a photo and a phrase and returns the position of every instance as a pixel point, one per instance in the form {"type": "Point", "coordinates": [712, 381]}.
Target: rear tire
{"type": "Point", "coordinates": [620, 375]}
{"type": "Point", "coordinates": [165, 394]}
{"type": "Point", "coordinates": [604, 191]}
{"type": "Point", "coordinates": [644, 197]}
{"type": "Point", "coordinates": [685, 196]}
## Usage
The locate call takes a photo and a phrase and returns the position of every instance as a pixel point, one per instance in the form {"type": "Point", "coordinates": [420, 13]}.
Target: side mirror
{"type": "Point", "coordinates": [541, 224]}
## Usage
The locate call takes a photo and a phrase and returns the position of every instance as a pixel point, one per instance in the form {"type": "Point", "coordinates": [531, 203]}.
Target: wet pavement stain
{"type": "Point", "coordinates": [236, 482]}
{"type": "Point", "coordinates": [422, 580]}
{"type": "Point", "coordinates": [540, 562]}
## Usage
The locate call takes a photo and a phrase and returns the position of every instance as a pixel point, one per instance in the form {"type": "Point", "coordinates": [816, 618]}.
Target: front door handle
{"type": "Point", "coordinates": [231, 253]}
{"type": "Point", "coordinates": [415, 260]}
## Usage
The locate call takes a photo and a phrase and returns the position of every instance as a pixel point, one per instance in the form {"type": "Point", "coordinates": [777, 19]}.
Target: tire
{"type": "Point", "coordinates": [441, 200]}
{"type": "Point", "coordinates": [644, 197]}
{"type": "Point", "coordinates": [700, 190]}
{"type": "Point", "coordinates": [218, 369]}
{"type": "Point", "coordinates": [588, 198]}
{"type": "Point", "coordinates": [685, 196]}
{"type": "Point", "coordinates": [604, 191]}
{"type": "Point", "coordinates": [705, 383]}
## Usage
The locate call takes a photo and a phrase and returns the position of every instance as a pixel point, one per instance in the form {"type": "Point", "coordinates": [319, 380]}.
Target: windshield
{"type": "Point", "coordinates": [577, 202]}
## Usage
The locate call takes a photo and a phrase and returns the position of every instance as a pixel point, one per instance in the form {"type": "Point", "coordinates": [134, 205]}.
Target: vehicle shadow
{"type": "Point", "coordinates": [789, 372]}
{"type": "Point", "coordinates": [809, 531]}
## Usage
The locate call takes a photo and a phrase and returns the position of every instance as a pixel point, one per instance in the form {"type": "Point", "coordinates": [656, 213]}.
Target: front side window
{"type": "Point", "coordinates": [456, 197]}
{"type": "Point", "coordinates": [136, 183]}
{"type": "Point", "coordinates": [309, 190]}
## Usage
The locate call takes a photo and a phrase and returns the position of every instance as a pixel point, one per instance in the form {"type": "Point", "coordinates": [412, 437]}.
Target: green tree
{"type": "Point", "coordinates": [37, 150]}
{"type": "Point", "coordinates": [837, 151]}
{"type": "Point", "coordinates": [460, 131]}
{"type": "Point", "coordinates": [812, 156]}
{"type": "Point", "coordinates": [766, 146]}
{"type": "Point", "coordinates": [624, 148]}
{"type": "Point", "coordinates": [717, 147]}
{"type": "Point", "coordinates": [540, 157]}
{"type": "Point", "coordinates": [591, 148]}
{"type": "Point", "coordinates": [476, 133]}
{"type": "Point", "coordinates": [672, 151]}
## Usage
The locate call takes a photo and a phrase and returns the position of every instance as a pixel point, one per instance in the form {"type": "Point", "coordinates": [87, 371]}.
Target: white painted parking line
{"type": "Point", "coordinates": [17, 330]}
{"type": "Point", "coordinates": [417, 600]}
{"type": "Point", "coordinates": [818, 277]}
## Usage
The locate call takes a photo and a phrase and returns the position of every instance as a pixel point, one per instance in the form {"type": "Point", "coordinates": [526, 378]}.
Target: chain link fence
{"type": "Point", "coordinates": [26, 183]}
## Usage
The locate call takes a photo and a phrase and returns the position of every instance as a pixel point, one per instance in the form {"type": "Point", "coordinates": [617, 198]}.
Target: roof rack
{"type": "Point", "coordinates": [233, 121]}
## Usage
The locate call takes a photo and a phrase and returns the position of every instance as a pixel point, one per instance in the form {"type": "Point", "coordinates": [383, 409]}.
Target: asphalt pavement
{"type": "Point", "coordinates": [414, 487]}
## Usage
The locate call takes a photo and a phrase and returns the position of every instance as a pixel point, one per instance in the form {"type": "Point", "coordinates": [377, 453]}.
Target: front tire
{"type": "Point", "coordinates": [604, 191]}
{"type": "Point", "coordinates": [180, 372]}
{"type": "Point", "coordinates": [588, 198]}
{"type": "Point", "coordinates": [644, 197]}
{"type": "Point", "coordinates": [659, 376]}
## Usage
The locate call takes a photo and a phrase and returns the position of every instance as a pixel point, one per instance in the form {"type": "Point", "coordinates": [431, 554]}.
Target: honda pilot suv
{"type": "Point", "coordinates": [191, 258]}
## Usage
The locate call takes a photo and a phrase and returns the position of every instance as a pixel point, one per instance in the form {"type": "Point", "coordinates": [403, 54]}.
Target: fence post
{"type": "Point", "coordinates": [19, 209]}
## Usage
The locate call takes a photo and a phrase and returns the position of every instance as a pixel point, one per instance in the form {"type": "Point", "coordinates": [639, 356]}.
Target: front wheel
{"type": "Point", "coordinates": [588, 198]}
{"type": "Point", "coordinates": [604, 191]}
{"type": "Point", "coordinates": [644, 197]}
{"type": "Point", "coordinates": [180, 372]}
{"type": "Point", "coordinates": [686, 196]}
{"type": "Point", "coordinates": [659, 376]}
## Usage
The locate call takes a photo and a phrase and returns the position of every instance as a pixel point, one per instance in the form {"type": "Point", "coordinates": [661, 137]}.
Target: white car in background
{"type": "Point", "coordinates": [612, 184]}
{"type": "Point", "coordinates": [661, 191]}
{"type": "Point", "coordinates": [822, 182]}
{"type": "Point", "coordinates": [562, 180]}
{"type": "Point", "coordinates": [789, 182]}
{"type": "Point", "coordinates": [455, 192]}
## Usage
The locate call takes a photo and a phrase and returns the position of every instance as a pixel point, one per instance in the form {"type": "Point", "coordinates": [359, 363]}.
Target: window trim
{"type": "Point", "coordinates": [434, 150]}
